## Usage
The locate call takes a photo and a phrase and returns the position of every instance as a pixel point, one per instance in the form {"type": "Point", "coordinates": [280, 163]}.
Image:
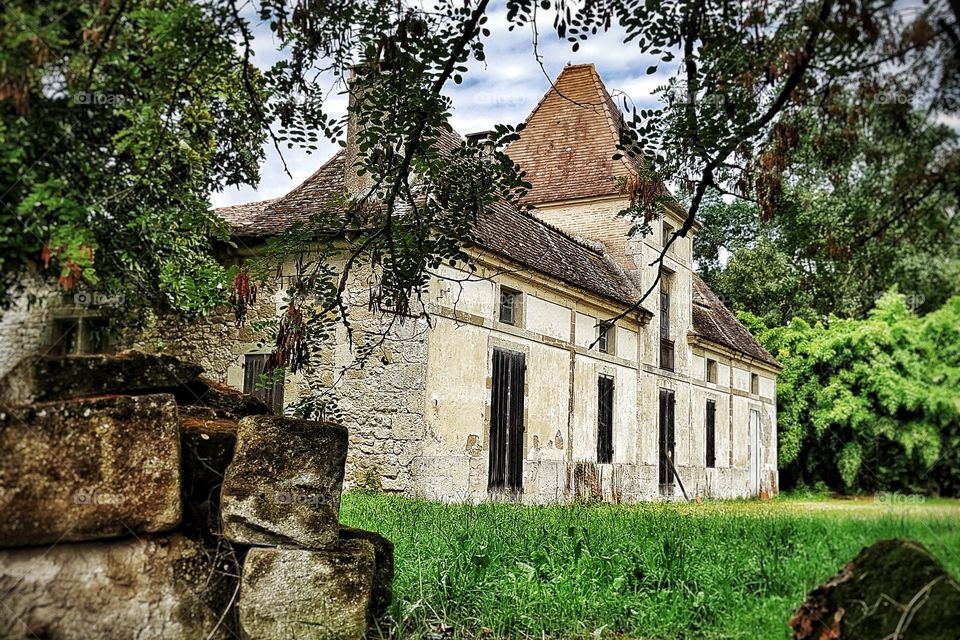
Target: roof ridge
{"type": "Point", "coordinates": [248, 203]}
{"type": "Point", "coordinates": [323, 166]}
{"type": "Point", "coordinates": [616, 123]}
{"type": "Point", "coordinates": [553, 89]}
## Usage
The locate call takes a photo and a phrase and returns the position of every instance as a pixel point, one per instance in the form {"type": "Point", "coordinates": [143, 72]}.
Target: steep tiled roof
{"type": "Point", "coordinates": [270, 217]}
{"type": "Point", "coordinates": [714, 322]}
{"type": "Point", "coordinates": [520, 236]}
{"type": "Point", "coordinates": [506, 231]}
{"type": "Point", "coordinates": [247, 219]}
{"type": "Point", "coordinates": [566, 149]}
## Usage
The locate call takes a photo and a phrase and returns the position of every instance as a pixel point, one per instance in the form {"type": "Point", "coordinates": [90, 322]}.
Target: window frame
{"type": "Point", "coordinates": [272, 397]}
{"type": "Point", "coordinates": [666, 344]}
{"type": "Point", "coordinates": [667, 230]}
{"type": "Point", "coordinates": [711, 373]}
{"type": "Point", "coordinates": [80, 335]}
{"type": "Point", "coordinates": [755, 383]}
{"type": "Point", "coordinates": [606, 338]}
{"type": "Point", "coordinates": [516, 306]}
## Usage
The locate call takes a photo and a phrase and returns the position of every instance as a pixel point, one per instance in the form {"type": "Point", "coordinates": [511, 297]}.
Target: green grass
{"type": "Point", "coordinates": [656, 570]}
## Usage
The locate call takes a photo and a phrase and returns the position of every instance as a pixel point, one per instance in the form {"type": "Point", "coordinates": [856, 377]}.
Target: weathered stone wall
{"type": "Point", "coordinates": [195, 487]}
{"type": "Point", "coordinates": [382, 400]}
{"type": "Point", "coordinates": [215, 341]}
{"type": "Point", "coordinates": [26, 326]}
{"type": "Point", "coordinates": [380, 396]}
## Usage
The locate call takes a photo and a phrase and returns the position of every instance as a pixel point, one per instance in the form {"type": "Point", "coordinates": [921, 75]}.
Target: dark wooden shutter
{"type": "Point", "coordinates": [254, 365]}
{"type": "Point", "coordinates": [667, 436]}
{"type": "Point", "coordinates": [605, 419]}
{"type": "Point", "coordinates": [711, 422]}
{"type": "Point", "coordinates": [664, 314]}
{"type": "Point", "coordinates": [506, 421]}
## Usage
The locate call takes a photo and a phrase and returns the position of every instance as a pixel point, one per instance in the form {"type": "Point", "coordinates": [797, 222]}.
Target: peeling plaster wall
{"type": "Point", "coordinates": [419, 410]}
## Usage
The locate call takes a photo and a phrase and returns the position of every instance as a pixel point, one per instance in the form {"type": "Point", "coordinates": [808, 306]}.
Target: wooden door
{"type": "Point", "coordinates": [667, 439]}
{"type": "Point", "coordinates": [754, 452]}
{"type": "Point", "coordinates": [506, 422]}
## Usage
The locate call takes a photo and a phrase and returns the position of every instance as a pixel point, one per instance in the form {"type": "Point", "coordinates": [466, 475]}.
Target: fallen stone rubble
{"type": "Point", "coordinates": [142, 500]}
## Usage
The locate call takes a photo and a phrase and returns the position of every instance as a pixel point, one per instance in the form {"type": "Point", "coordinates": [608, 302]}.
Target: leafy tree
{"type": "Point", "coordinates": [872, 404]}
{"type": "Point", "coordinates": [126, 207]}
{"type": "Point", "coordinates": [861, 214]}
{"type": "Point", "coordinates": [116, 121]}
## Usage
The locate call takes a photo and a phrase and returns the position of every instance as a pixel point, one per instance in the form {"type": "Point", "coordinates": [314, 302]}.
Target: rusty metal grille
{"type": "Point", "coordinates": [605, 419]}
{"type": "Point", "coordinates": [506, 421]}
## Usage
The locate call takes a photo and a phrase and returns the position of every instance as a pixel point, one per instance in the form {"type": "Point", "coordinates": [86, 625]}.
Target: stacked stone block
{"type": "Point", "coordinates": [141, 500]}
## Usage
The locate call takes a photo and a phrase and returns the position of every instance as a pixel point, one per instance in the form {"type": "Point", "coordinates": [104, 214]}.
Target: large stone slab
{"type": "Point", "coordinates": [283, 486]}
{"type": "Point", "coordinates": [892, 589]}
{"type": "Point", "coordinates": [65, 377]}
{"type": "Point", "coordinates": [225, 401]}
{"type": "Point", "coordinates": [89, 469]}
{"type": "Point", "coordinates": [156, 588]}
{"type": "Point", "coordinates": [308, 595]}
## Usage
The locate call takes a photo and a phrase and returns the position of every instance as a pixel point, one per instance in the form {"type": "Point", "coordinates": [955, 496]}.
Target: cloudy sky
{"type": "Point", "coordinates": [503, 90]}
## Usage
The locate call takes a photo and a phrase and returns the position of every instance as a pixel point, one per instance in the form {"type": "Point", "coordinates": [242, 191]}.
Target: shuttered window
{"type": "Point", "coordinates": [711, 422]}
{"type": "Point", "coordinates": [668, 441]}
{"type": "Point", "coordinates": [506, 421]}
{"type": "Point", "coordinates": [254, 365]}
{"type": "Point", "coordinates": [605, 419]}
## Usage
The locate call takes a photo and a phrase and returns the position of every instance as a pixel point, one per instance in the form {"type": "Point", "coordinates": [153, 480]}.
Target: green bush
{"type": "Point", "coordinates": [870, 405]}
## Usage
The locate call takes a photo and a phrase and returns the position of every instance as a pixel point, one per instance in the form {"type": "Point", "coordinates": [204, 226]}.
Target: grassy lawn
{"type": "Point", "coordinates": [657, 570]}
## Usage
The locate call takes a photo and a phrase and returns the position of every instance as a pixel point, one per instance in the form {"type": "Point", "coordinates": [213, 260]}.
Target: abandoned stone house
{"type": "Point", "coordinates": [512, 388]}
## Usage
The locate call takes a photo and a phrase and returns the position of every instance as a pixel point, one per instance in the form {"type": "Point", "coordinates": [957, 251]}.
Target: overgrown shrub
{"type": "Point", "coordinates": [870, 405]}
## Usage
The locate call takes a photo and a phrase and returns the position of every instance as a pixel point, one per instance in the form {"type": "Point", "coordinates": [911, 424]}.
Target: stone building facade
{"type": "Point", "coordinates": [510, 389]}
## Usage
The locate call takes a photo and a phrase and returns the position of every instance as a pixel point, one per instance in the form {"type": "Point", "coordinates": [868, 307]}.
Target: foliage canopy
{"type": "Point", "coordinates": [870, 405]}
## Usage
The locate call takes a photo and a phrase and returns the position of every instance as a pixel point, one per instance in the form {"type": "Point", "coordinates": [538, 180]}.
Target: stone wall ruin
{"type": "Point", "coordinates": [143, 500]}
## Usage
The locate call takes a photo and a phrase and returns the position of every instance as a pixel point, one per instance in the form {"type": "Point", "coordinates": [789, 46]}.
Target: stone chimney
{"type": "Point", "coordinates": [357, 85]}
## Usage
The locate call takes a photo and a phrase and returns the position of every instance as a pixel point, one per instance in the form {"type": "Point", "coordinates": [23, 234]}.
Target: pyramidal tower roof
{"type": "Point", "coordinates": [570, 138]}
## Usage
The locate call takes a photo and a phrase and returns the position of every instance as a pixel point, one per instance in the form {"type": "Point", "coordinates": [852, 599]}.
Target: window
{"type": "Point", "coordinates": [711, 424]}
{"type": "Point", "coordinates": [666, 344]}
{"type": "Point", "coordinates": [605, 338]}
{"type": "Point", "coordinates": [754, 384]}
{"type": "Point", "coordinates": [80, 335]}
{"type": "Point", "coordinates": [667, 233]}
{"type": "Point", "coordinates": [254, 365]}
{"type": "Point", "coordinates": [605, 420]}
{"type": "Point", "coordinates": [664, 313]}
{"type": "Point", "coordinates": [711, 370]}
{"type": "Point", "coordinates": [509, 306]}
